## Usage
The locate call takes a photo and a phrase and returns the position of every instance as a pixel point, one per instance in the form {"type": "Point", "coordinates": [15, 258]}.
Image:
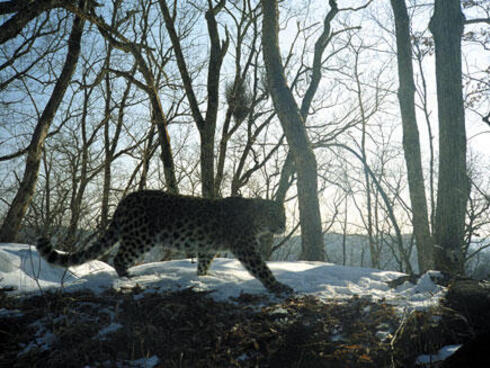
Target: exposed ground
{"type": "Point", "coordinates": [190, 329]}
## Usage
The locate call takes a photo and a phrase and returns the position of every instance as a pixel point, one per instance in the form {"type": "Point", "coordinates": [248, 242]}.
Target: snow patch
{"type": "Point", "coordinates": [144, 362]}
{"type": "Point", "coordinates": [443, 353]}
{"type": "Point", "coordinates": [41, 342]}
{"type": "Point", "coordinates": [109, 329]}
{"type": "Point", "coordinates": [10, 313]}
{"type": "Point", "coordinates": [23, 269]}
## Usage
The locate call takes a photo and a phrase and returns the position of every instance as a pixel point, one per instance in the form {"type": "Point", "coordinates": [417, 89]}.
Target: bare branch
{"type": "Point", "coordinates": [477, 20]}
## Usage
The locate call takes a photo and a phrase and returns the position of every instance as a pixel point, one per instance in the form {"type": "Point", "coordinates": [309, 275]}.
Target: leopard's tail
{"type": "Point", "coordinates": [94, 251]}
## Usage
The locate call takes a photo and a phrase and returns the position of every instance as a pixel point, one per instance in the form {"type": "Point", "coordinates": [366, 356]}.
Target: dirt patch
{"type": "Point", "coordinates": [189, 329]}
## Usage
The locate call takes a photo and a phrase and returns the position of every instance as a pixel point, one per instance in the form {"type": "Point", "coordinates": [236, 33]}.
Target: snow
{"type": "Point", "coordinates": [42, 341]}
{"type": "Point", "coordinates": [23, 272]}
{"type": "Point", "coordinates": [22, 269]}
{"type": "Point", "coordinates": [144, 362]}
{"type": "Point", "coordinates": [109, 329]}
{"type": "Point", "coordinates": [443, 353]}
{"type": "Point", "coordinates": [10, 313]}
{"type": "Point", "coordinates": [149, 362]}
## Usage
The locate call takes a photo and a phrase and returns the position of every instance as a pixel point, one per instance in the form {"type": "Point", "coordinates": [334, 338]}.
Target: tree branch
{"type": "Point", "coordinates": [477, 20]}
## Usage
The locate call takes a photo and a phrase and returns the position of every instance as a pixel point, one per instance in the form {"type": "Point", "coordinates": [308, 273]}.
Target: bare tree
{"type": "Point", "coordinates": [23, 13]}
{"type": "Point", "coordinates": [423, 46]}
{"type": "Point", "coordinates": [295, 131]}
{"type": "Point", "coordinates": [138, 50]}
{"type": "Point", "coordinates": [411, 142]}
{"type": "Point", "coordinates": [386, 201]}
{"type": "Point", "coordinates": [80, 161]}
{"type": "Point", "coordinates": [206, 125]}
{"type": "Point", "coordinates": [19, 205]}
{"type": "Point", "coordinates": [244, 96]}
{"type": "Point", "coordinates": [447, 25]}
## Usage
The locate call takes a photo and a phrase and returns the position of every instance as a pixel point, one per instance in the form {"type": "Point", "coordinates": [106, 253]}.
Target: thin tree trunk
{"type": "Point", "coordinates": [344, 233]}
{"type": "Point", "coordinates": [106, 186]}
{"type": "Point", "coordinates": [207, 125]}
{"type": "Point", "coordinates": [120, 42]}
{"type": "Point", "coordinates": [25, 12]}
{"type": "Point", "coordinates": [369, 207]}
{"type": "Point", "coordinates": [80, 179]}
{"type": "Point", "coordinates": [288, 169]}
{"type": "Point", "coordinates": [295, 131]}
{"type": "Point", "coordinates": [207, 131]}
{"type": "Point", "coordinates": [285, 180]}
{"type": "Point", "coordinates": [447, 25]}
{"type": "Point", "coordinates": [145, 160]}
{"type": "Point", "coordinates": [411, 141]}
{"type": "Point", "coordinates": [110, 144]}
{"type": "Point", "coordinates": [389, 207]}
{"type": "Point", "coordinates": [166, 155]}
{"type": "Point", "coordinates": [23, 198]}
{"type": "Point", "coordinates": [158, 115]}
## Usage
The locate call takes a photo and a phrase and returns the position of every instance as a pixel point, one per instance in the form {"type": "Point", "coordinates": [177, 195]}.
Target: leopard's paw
{"type": "Point", "coordinates": [280, 289]}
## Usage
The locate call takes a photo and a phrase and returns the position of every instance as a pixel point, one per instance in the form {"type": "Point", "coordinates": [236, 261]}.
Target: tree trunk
{"type": "Point", "coordinates": [344, 232]}
{"type": "Point", "coordinates": [295, 131]}
{"type": "Point", "coordinates": [25, 12]}
{"type": "Point", "coordinates": [145, 160]}
{"type": "Point", "coordinates": [288, 170]}
{"type": "Point", "coordinates": [207, 125]}
{"type": "Point", "coordinates": [446, 26]}
{"type": "Point", "coordinates": [208, 129]}
{"type": "Point", "coordinates": [109, 154]}
{"type": "Point", "coordinates": [367, 181]}
{"type": "Point", "coordinates": [22, 200]}
{"type": "Point", "coordinates": [411, 141]}
{"type": "Point", "coordinates": [110, 144]}
{"type": "Point", "coordinates": [151, 88]}
{"type": "Point", "coordinates": [388, 205]}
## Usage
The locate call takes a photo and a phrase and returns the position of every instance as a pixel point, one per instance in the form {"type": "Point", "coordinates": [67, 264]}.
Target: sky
{"type": "Point", "coordinates": [22, 269]}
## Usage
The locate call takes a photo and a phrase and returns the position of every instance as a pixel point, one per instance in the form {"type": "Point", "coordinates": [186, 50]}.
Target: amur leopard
{"type": "Point", "coordinates": [150, 218]}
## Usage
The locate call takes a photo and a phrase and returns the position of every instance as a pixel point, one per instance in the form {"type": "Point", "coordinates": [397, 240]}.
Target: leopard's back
{"type": "Point", "coordinates": [178, 221]}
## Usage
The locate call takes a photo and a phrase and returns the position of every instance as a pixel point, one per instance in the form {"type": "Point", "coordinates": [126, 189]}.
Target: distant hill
{"type": "Point", "coordinates": [358, 253]}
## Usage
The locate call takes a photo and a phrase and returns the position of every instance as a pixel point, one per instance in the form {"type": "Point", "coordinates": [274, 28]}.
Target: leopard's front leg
{"type": "Point", "coordinates": [252, 261]}
{"type": "Point", "coordinates": [204, 260]}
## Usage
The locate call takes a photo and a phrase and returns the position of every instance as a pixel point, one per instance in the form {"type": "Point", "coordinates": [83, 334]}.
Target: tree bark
{"type": "Point", "coordinates": [110, 144]}
{"type": "Point", "coordinates": [208, 130]}
{"type": "Point", "coordinates": [109, 153]}
{"type": "Point", "coordinates": [411, 141]}
{"type": "Point", "coordinates": [288, 170]}
{"type": "Point", "coordinates": [205, 125]}
{"type": "Point", "coordinates": [446, 26]}
{"type": "Point", "coordinates": [295, 131]}
{"type": "Point", "coordinates": [158, 115]}
{"type": "Point", "coordinates": [22, 200]}
{"type": "Point", "coordinates": [389, 208]}
{"type": "Point", "coordinates": [25, 12]}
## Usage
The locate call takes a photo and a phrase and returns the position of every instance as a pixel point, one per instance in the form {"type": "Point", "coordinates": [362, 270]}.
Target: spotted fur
{"type": "Point", "coordinates": [150, 218]}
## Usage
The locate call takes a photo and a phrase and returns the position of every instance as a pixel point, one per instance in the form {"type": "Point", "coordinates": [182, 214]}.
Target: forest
{"type": "Point", "coordinates": [363, 118]}
{"type": "Point", "coordinates": [368, 120]}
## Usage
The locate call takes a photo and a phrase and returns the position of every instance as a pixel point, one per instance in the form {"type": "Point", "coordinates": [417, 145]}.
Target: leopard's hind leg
{"type": "Point", "coordinates": [130, 250]}
{"type": "Point", "coordinates": [204, 260]}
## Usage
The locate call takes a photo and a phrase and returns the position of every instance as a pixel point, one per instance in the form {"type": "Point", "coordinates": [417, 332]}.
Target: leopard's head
{"type": "Point", "coordinates": [270, 217]}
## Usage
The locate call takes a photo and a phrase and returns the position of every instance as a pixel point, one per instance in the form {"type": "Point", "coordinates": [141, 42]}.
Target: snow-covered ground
{"type": "Point", "coordinates": [21, 268]}
{"type": "Point", "coordinates": [23, 272]}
